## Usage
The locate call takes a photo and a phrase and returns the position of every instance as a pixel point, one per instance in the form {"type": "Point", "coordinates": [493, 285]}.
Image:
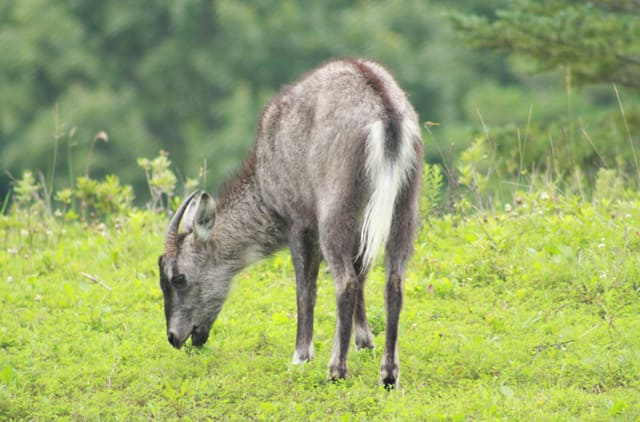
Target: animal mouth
{"type": "Point", "coordinates": [175, 341]}
{"type": "Point", "coordinates": [199, 336]}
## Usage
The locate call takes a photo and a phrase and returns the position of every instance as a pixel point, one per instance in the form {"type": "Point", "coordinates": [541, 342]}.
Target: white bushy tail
{"type": "Point", "coordinates": [387, 176]}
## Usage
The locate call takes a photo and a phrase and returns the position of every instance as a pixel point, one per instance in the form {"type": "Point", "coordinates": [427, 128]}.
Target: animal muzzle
{"type": "Point", "coordinates": [199, 336]}
{"type": "Point", "coordinates": [174, 340]}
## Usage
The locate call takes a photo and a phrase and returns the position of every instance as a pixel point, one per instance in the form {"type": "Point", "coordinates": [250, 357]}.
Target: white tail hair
{"type": "Point", "coordinates": [387, 176]}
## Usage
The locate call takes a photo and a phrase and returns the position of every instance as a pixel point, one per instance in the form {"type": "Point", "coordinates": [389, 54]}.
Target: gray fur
{"type": "Point", "coordinates": [307, 183]}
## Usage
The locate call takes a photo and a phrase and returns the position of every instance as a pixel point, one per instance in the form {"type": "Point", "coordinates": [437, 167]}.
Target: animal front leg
{"type": "Point", "coordinates": [305, 254]}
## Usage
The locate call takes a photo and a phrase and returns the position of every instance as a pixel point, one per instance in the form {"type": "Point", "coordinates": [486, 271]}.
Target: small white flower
{"type": "Point", "coordinates": [507, 207]}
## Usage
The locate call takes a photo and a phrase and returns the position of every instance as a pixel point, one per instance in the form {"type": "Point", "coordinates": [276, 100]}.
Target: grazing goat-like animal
{"type": "Point", "coordinates": [334, 174]}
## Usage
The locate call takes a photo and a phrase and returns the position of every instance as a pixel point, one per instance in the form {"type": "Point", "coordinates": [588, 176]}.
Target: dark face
{"type": "Point", "coordinates": [192, 299]}
{"type": "Point", "coordinates": [194, 286]}
{"type": "Point", "coordinates": [178, 309]}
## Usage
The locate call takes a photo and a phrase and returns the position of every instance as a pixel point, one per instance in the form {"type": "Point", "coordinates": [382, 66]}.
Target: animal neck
{"type": "Point", "coordinates": [245, 230]}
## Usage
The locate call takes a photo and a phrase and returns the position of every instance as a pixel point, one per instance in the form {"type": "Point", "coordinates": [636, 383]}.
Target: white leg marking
{"type": "Point", "coordinates": [297, 359]}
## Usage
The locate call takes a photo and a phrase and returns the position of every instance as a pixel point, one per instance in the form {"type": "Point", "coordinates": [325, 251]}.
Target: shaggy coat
{"type": "Point", "coordinates": [335, 175]}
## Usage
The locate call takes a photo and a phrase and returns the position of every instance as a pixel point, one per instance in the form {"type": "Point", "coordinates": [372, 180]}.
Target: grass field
{"type": "Point", "coordinates": [532, 313]}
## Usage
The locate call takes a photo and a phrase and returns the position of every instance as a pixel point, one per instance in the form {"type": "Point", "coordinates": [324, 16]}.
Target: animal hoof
{"type": "Point", "coordinates": [363, 344]}
{"type": "Point", "coordinates": [390, 379]}
{"type": "Point", "coordinates": [389, 384]}
{"type": "Point", "coordinates": [304, 356]}
{"type": "Point", "coordinates": [364, 338]}
{"type": "Point", "coordinates": [300, 359]}
{"type": "Point", "coordinates": [337, 373]}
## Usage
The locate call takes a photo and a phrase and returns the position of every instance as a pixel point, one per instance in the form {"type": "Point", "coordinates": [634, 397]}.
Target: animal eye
{"type": "Point", "coordinates": [179, 280]}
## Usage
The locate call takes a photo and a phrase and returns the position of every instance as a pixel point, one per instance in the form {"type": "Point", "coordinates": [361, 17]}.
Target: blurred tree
{"type": "Point", "coordinates": [585, 43]}
{"type": "Point", "coordinates": [71, 69]}
{"type": "Point", "coordinates": [599, 41]}
{"type": "Point", "coordinates": [189, 77]}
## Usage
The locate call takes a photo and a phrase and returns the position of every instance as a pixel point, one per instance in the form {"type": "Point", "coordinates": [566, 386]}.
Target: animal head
{"type": "Point", "coordinates": [193, 283]}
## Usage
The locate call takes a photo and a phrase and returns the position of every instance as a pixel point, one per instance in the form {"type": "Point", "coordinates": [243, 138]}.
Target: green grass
{"type": "Point", "coordinates": [527, 314]}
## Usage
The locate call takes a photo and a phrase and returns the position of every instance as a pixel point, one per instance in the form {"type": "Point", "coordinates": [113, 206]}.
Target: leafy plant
{"type": "Point", "coordinates": [609, 186]}
{"type": "Point", "coordinates": [28, 191]}
{"type": "Point", "coordinates": [432, 185]}
{"type": "Point", "coordinates": [101, 198]}
{"type": "Point", "coordinates": [160, 179]}
{"type": "Point", "coordinates": [474, 169]}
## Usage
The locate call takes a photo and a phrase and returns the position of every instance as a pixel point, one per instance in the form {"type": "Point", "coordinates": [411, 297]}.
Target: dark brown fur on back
{"type": "Point", "coordinates": [391, 118]}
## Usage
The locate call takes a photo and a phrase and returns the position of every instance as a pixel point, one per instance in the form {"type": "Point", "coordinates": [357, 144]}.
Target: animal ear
{"type": "Point", "coordinates": [205, 216]}
{"type": "Point", "coordinates": [189, 216]}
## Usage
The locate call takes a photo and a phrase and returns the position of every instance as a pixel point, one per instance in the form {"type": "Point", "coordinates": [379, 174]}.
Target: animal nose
{"type": "Point", "coordinates": [173, 339]}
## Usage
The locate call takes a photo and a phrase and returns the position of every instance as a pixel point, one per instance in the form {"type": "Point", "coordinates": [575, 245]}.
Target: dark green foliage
{"type": "Point", "coordinates": [88, 88]}
{"type": "Point", "coordinates": [189, 77]}
{"type": "Point", "coordinates": [599, 41]}
{"type": "Point", "coordinates": [566, 136]}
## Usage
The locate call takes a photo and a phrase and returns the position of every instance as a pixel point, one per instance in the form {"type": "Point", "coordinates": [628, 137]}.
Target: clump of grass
{"type": "Point", "coordinates": [527, 311]}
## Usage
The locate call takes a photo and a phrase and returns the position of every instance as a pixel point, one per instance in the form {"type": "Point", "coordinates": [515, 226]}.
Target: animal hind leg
{"type": "Point", "coordinates": [398, 251]}
{"type": "Point", "coordinates": [363, 333]}
{"type": "Point", "coordinates": [337, 246]}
